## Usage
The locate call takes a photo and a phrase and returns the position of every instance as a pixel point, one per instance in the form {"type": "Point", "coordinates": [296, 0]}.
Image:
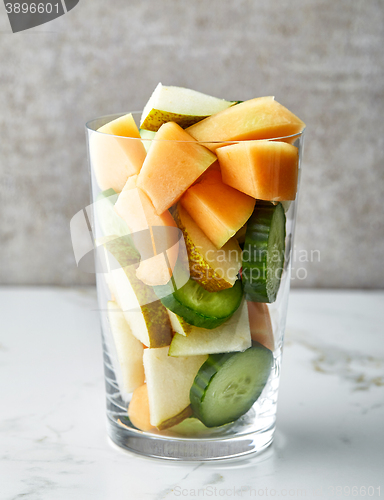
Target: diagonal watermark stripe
{"type": "Point", "coordinates": [155, 253]}
{"type": "Point", "coordinates": [70, 4]}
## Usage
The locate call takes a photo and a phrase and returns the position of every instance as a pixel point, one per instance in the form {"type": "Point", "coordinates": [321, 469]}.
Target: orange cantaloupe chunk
{"type": "Point", "coordinates": [138, 410]}
{"type": "Point", "coordinates": [259, 118]}
{"type": "Point", "coordinates": [115, 157]}
{"type": "Point", "coordinates": [218, 209]}
{"type": "Point", "coordinates": [260, 324]}
{"type": "Point", "coordinates": [174, 162]}
{"type": "Point", "coordinates": [266, 170]}
{"type": "Point", "coordinates": [137, 210]}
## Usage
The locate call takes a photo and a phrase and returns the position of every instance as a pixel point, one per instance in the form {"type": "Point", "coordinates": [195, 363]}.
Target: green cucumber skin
{"type": "Point", "coordinates": [256, 247]}
{"type": "Point", "coordinates": [191, 316]}
{"type": "Point", "coordinates": [210, 369]}
{"type": "Point", "coordinates": [199, 387]}
{"type": "Point", "coordinates": [194, 317]}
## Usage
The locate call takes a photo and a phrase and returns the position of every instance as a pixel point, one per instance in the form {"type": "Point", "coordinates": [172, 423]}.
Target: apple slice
{"type": "Point", "coordinates": [169, 381]}
{"type": "Point", "coordinates": [214, 269]}
{"type": "Point", "coordinates": [136, 209]}
{"type": "Point", "coordinates": [129, 349]}
{"type": "Point", "coordinates": [260, 324]}
{"type": "Point", "coordinates": [115, 157]}
{"type": "Point", "coordinates": [179, 105]}
{"type": "Point", "coordinates": [144, 313]}
{"type": "Point", "coordinates": [233, 335]}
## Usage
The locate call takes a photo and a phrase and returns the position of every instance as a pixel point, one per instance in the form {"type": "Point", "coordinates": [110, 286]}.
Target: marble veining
{"type": "Point", "coordinates": [53, 443]}
{"type": "Point", "coordinates": [362, 371]}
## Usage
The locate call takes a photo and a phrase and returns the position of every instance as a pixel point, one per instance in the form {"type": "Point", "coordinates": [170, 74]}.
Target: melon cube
{"type": "Point", "coordinates": [218, 209]}
{"type": "Point", "coordinates": [260, 324]}
{"type": "Point", "coordinates": [259, 118]}
{"type": "Point", "coordinates": [173, 163]}
{"type": "Point", "coordinates": [158, 255]}
{"type": "Point", "coordinates": [115, 157]}
{"type": "Point", "coordinates": [266, 170]}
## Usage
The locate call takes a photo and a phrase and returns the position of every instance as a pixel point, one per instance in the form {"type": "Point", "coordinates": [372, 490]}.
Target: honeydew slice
{"type": "Point", "coordinates": [286, 205]}
{"type": "Point", "coordinates": [233, 335]}
{"type": "Point", "coordinates": [179, 105]}
{"type": "Point", "coordinates": [129, 349]}
{"type": "Point", "coordinates": [179, 325]}
{"type": "Point", "coordinates": [115, 152]}
{"type": "Point", "coordinates": [147, 137]}
{"type": "Point", "coordinates": [111, 224]}
{"type": "Point", "coordinates": [214, 269]}
{"type": "Point", "coordinates": [169, 381]}
{"type": "Point", "coordinates": [259, 118]}
{"type": "Point", "coordinates": [144, 313]}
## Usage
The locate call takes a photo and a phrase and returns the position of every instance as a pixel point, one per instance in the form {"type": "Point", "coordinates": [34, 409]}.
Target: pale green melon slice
{"type": "Point", "coordinates": [129, 349]}
{"type": "Point", "coordinates": [179, 325]}
{"type": "Point", "coordinates": [233, 335]}
{"type": "Point", "coordinates": [147, 136]}
{"type": "Point", "coordinates": [180, 105]}
{"type": "Point", "coordinates": [110, 222]}
{"type": "Point", "coordinates": [169, 381]}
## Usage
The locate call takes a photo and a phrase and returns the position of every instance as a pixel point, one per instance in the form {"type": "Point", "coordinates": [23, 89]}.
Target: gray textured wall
{"type": "Point", "coordinates": [322, 59]}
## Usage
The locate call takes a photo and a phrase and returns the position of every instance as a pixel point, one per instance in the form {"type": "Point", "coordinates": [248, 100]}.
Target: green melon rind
{"type": "Point", "coordinates": [263, 254]}
{"type": "Point", "coordinates": [199, 268]}
{"type": "Point", "coordinates": [181, 105]}
{"type": "Point", "coordinates": [154, 313]}
{"type": "Point", "coordinates": [209, 397]}
{"type": "Point", "coordinates": [157, 117]}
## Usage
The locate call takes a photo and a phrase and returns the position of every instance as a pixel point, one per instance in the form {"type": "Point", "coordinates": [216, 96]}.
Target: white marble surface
{"type": "Point", "coordinates": [53, 444]}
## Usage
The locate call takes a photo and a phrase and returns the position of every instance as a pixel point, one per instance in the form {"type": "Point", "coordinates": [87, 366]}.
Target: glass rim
{"type": "Point", "coordinates": [113, 116]}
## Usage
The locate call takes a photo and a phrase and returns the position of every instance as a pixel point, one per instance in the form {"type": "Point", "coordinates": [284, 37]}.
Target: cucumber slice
{"type": "Point", "coordinates": [227, 385]}
{"type": "Point", "coordinates": [263, 254]}
{"type": "Point", "coordinates": [202, 308]}
{"type": "Point", "coordinates": [233, 335]}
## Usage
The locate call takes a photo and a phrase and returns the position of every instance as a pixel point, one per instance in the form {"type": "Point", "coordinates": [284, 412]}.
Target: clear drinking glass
{"type": "Point", "coordinates": [189, 439]}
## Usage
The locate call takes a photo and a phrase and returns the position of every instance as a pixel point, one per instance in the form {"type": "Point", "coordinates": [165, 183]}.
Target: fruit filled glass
{"type": "Point", "coordinates": [193, 216]}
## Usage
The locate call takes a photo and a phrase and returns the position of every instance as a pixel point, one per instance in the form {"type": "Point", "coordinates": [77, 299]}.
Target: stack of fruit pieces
{"type": "Point", "coordinates": [192, 329]}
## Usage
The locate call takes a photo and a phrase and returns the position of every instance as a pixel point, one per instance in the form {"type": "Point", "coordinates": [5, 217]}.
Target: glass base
{"type": "Point", "coordinates": [191, 440]}
{"type": "Point", "coordinates": [189, 449]}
